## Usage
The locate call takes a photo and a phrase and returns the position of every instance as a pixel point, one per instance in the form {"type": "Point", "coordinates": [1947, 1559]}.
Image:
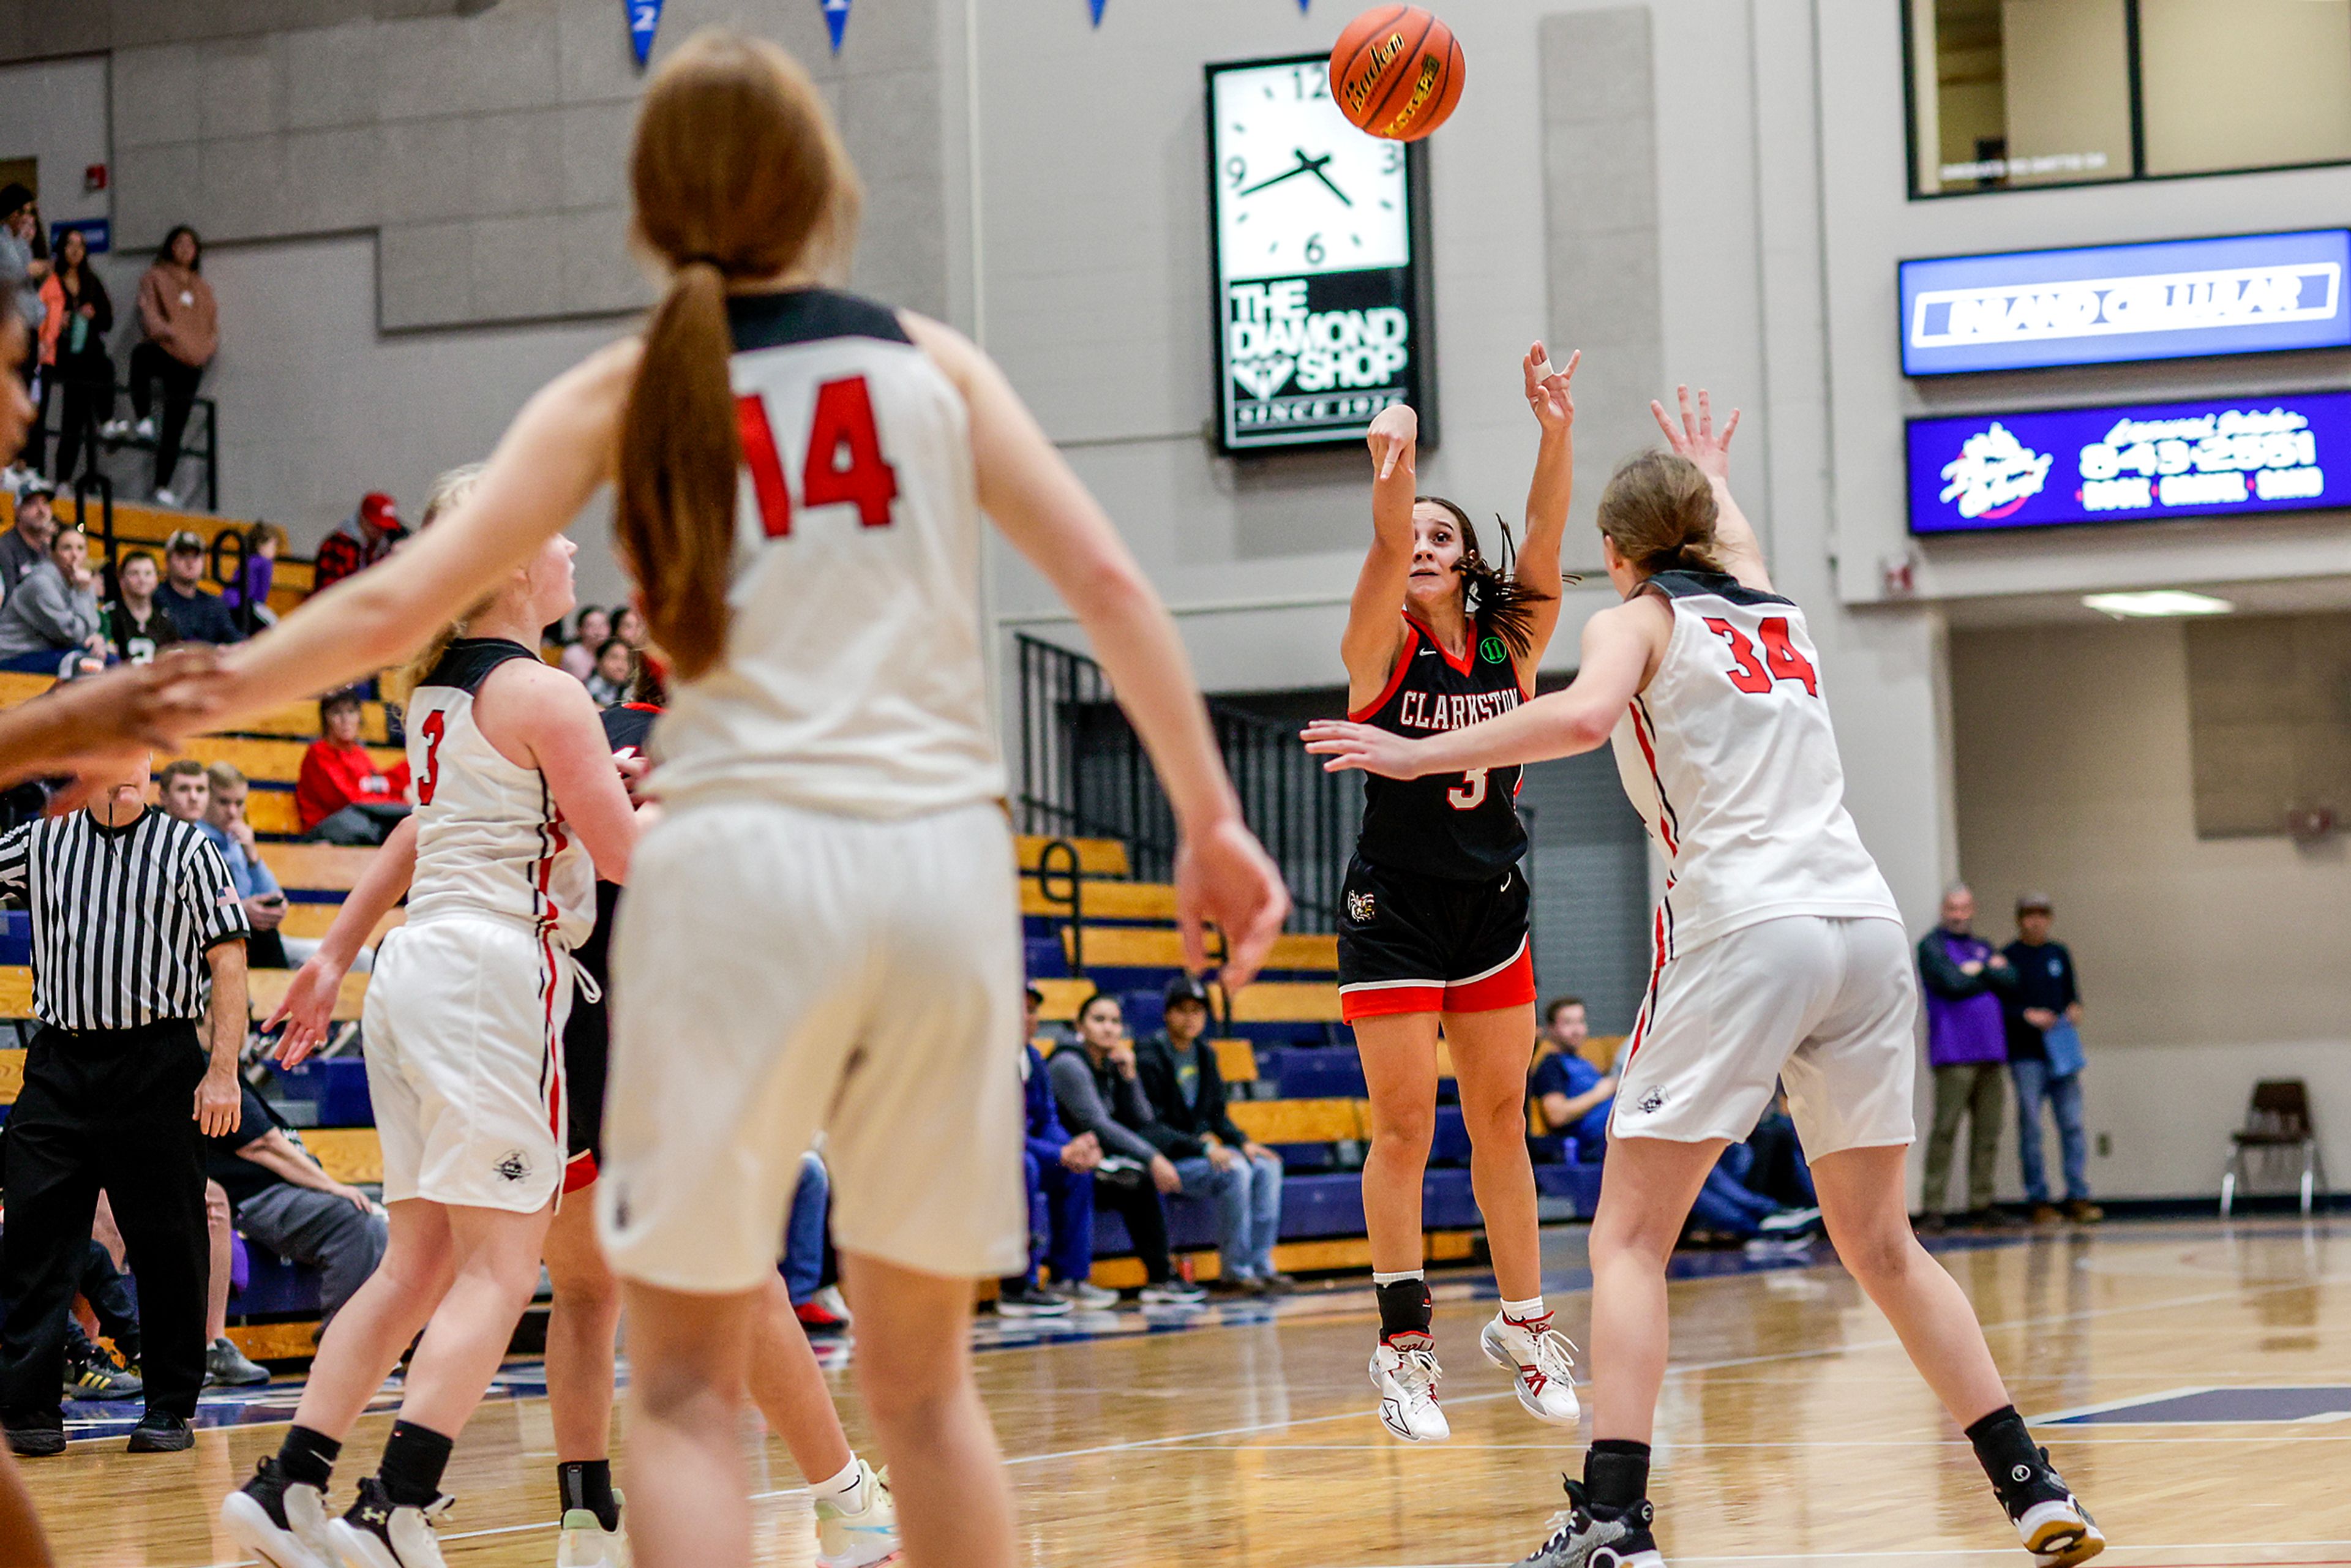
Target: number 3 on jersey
{"type": "Point", "coordinates": [1780, 662]}
{"type": "Point", "coordinates": [1471, 794]}
{"type": "Point", "coordinates": [845, 459]}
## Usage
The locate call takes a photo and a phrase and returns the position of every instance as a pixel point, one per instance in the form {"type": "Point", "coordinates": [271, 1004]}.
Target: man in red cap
{"type": "Point", "coordinates": [365, 537]}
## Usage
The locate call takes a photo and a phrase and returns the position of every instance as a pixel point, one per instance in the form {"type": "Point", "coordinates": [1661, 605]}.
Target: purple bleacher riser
{"type": "Point", "coordinates": [276, 1287]}
{"type": "Point", "coordinates": [336, 1088]}
{"type": "Point", "coordinates": [1312, 1072]}
{"type": "Point", "coordinates": [16, 937]}
{"type": "Point", "coordinates": [1044, 959]}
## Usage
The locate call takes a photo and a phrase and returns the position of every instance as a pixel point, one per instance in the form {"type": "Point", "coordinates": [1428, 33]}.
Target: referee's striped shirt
{"type": "Point", "coordinates": [123, 918]}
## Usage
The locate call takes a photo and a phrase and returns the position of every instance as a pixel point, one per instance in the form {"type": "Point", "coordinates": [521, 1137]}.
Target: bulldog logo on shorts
{"type": "Point", "coordinates": [514, 1165]}
{"type": "Point", "coordinates": [1361, 908]}
{"type": "Point", "coordinates": [1651, 1101]}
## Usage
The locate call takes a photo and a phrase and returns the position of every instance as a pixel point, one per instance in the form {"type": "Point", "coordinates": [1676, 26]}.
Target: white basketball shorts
{"type": "Point", "coordinates": [464, 1062]}
{"type": "Point", "coordinates": [778, 971]}
{"type": "Point", "coordinates": [1827, 1005]}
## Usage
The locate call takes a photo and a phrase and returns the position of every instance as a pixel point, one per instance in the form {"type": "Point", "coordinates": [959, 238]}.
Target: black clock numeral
{"type": "Point", "coordinates": [1237, 170]}
{"type": "Point", "coordinates": [1314, 251]}
{"type": "Point", "coordinates": [1306, 83]}
{"type": "Point", "coordinates": [1393, 158]}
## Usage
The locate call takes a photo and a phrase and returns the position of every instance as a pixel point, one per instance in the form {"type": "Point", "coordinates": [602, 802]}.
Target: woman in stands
{"type": "Point", "coordinates": [824, 932]}
{"type": "Point", "coordinates": [1781, 957]}
{"type": "Point", "coordinates": [1435, 914]}
{"type": "Point", "coordinates": [516, 792]}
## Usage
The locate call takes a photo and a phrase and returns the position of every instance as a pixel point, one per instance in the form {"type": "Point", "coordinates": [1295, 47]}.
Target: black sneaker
{"type": "Point", "coordinates": [1023, 1300]}
{"type": "Point", "coordinates": [282, 1522]}
{"type": "Point", "coordinates": [1581, 1539]}
{"type": "Point", "coordinates": [160, 1432]}
{"type": "Point", "coordinates": [380, 1533]}
{"type": "Point", "coordinates": [94, 1374]}
{"type": "Point", "coordinates": [2051, 1522]}
{"type": "Point", "coordinates": [37, 1441]}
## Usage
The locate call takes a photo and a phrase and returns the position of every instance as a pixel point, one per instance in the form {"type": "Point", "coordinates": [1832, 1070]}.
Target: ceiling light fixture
{"type": "Point", "coordinates": [2157, 602]}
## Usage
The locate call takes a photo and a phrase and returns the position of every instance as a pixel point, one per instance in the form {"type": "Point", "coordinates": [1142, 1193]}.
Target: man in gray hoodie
{"type": "Point", "coordinates": [54, 611]}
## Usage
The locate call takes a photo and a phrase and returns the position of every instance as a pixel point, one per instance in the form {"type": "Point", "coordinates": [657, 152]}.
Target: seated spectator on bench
{"type": "Point", "coordinates": [49, 623]}
{"type": "Point", "coordinates": [223, 821]}
{"type": "Point", "coordinates": [1728, 1208]}
{"type": "Point", "coordinates": [1779, 1171]}
{"type": "Point", "coordinates": [26, 545]}
{"type": "Point", "coordinates": [1060, 1171]}
{"type": "Point", "coordinates": [91, 1372]}
{"type": "Point", "coordinates": [248, 599]}
{"type": "Point", "coordinates": [343, 796]}
{"type": "Point", "coordinates": [1572, 1098]}
{"type": "Point", "coordinates": [226, 1367]}
{"type": "Point", "coordinates": [615, 672]}
{"type": "Point", "coordinates": [363, 539]}
{"type": "Point", "coordinates": [818, 1305]}
{"type": "Point", "coordinates": [592, 631]}
{"type": "Point", "coordinates": [287, 1204]}
{"type": "Point", "coordinates": [200, 616]}
{"type": "Point", "coordinates": [1185, 1091]}
{"type": "Point", "coordinates": [1094, 1087]}
{"type": "Point", "coordinates": [137, 627]}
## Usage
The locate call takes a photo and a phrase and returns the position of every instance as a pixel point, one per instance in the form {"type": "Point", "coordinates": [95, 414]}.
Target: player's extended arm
{"type": "Point", "coordinates": [96, 723]}
{"type": "Point", "coordinates": [1222, 872]}
{"type": "Point", "coordinates": [1621, 647]}
{"type": "Point", "coordinates": [1697, 440]}
{"type": "Point", "coordinates": [1549, 393]}
{"type": "Point", "coordinates": [309, 1006]}
{"type": "Point", "coordinates": [550, 461]}
{"type": "Point", "coordinates": [1375, 633]}
{"type": "Point", "coordinates": [541, 708]}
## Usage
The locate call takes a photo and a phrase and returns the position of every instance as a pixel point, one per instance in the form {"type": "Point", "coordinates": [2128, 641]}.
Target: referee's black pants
{"type": "Point", "coordinates": [112, 1109]}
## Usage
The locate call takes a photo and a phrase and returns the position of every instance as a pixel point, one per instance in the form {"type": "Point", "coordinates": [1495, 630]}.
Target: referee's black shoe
{"type": "Point", "coordinates": [160, 1432]}
{"type": "Point", "coordinates": [36, 1439]}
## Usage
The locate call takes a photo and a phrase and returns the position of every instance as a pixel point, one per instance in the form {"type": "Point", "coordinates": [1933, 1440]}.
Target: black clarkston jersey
{"type": "Point", "coordinates": [1462, 826]}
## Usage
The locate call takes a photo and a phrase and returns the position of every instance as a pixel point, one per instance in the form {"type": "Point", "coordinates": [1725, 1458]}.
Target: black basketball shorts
{"type": "Point", "coordinates": [1411, 943]}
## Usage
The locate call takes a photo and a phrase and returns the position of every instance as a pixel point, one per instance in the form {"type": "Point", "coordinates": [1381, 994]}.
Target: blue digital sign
{"type": "Point", "coordinates": [2171, 299]}
{"type": "Point", "coordinates": [2143, 463]}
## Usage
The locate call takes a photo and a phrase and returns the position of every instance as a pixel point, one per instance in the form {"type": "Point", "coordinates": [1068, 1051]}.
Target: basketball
{"type": "Point", "coordinates": [1396, 72]}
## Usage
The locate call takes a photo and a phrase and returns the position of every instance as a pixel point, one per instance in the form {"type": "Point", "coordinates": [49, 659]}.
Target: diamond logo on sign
{"type": "Point", "coordinates": [1994, 474]}
{"type": "Point", "coordinates": [644, 20]}
{"type": "Point", "coordinates": [836, 21]}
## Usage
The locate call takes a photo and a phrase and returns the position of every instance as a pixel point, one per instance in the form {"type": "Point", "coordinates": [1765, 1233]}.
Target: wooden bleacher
{"type": "Point", "coordinates": [138, 527]}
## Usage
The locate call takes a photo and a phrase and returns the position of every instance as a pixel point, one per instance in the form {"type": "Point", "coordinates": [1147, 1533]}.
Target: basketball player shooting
{"type": "Point", "coordinates": [1780, 955]}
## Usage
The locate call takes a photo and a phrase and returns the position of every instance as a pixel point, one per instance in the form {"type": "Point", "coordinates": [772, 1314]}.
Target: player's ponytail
{"type": "Point", "coordinates": [1492, 598]}
{"type": "Point", "coordinates": [1659, 512]}
{"type": "Point", "coordinates": [738, 178]}
{"type": "Point", "coordinates": [398, 686]}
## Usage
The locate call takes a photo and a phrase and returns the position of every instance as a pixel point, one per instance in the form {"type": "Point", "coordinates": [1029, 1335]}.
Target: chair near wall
{"type": "Point", "coordinates": [2277, 1125]}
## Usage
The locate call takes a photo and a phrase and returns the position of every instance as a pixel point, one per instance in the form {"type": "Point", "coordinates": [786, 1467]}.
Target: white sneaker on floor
{"type": "Point", "coordinates": [1406, 1380]}
{"type": "Point", "coordinates": [1086, 1295]}
{"type": "Point", "coordinates": [165, 499]}
{"type": "Point", "coordinates": [1173, 1293]}
{"type": "Point", "coordinates": [114, 430]}
{"type": "Point", "coordinates": [866, 1538]}
{"type": "Point", "coordinates": [1541, 1362]}
{"type": "Point", "coordinates": [282, 1522]}
{"type": "Point", "coordinates": [145, 429]}
{"type": "Point", "coordinates": [378, 1533]}
{"type": "Point", "coordinates": [584, 1543]}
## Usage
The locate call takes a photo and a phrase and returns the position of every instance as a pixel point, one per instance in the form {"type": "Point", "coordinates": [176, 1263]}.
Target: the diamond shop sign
{"type": "Point", "coordinates": [2245, 294]}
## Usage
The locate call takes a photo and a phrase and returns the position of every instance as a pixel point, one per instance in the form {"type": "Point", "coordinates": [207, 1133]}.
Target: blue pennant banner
{"type": "Point", "coordinates": [1098, 6]}
{"type": "Point", "coordinates": [644, 20]}
{"type": "Point", "coordinates": [836, 19]}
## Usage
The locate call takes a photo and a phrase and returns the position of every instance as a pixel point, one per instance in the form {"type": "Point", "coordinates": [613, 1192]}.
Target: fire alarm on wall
{"type": "Point", "coordinates": [93, 179]}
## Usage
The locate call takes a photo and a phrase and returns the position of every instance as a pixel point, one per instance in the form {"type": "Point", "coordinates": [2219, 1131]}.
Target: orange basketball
{"type": "Point", "coordinates": [1397, 72]}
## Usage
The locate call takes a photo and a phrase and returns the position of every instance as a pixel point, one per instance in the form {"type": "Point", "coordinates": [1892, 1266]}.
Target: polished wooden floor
{"type": "Point", "coordinates": [1792, 1428]}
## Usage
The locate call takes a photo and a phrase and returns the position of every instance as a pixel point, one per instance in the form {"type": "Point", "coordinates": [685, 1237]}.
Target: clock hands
{"type": "Point", "coordinates": [1306, 165]}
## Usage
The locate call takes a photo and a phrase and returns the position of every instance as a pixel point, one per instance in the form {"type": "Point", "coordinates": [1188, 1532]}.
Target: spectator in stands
{"type": "Point", "coordinates": [1572, 1098]}
{"type": "Point", "coordinates": [26, 545]}
{"type": "Point", "coordinates": [592, 631]}
{"type": "Point", "coordinates": [1095, 1088]}
{"type": "Point", "coordinates": [2045, 1056]}
{"type": "Point", "coordinates": [802, 1264]}
{"type": "Point", "coordinates": [182, 789]}
{"type": "Point", "coordinates": [344, 795]}
{"type": "Point", "coordinates": [23, 269]}
{"type": "Point", "coordinates": [137, 940]}
{"type": "Point", "coordinates": [200, 616]}
{"type": "Point", "coordinates": [257, 887]}
{"type": "Point", "coordinates": [1060, 1170]}
{"type": "Point", "coordinates": [1727, 1209]}
{"type": "Point", "coordinates": [1966, 1046]}
{"type": "Point", "coordinates": [615, 674]}
{"type": "Point", "coordinates": [371, 533]}
{"type": "Point", "coordinates": [183, 324]}
{"type": "Point", "coordinates": [629, 626]}
{"type": "Point", "coordinates": [248, 597]}
{"type": "Point", "coordinates": [82, 314]}
{"type": "Point", "coordinates": [226, 1367]}
{"type": "Point", "coordinates": [49, 623]}
{"type": "Point", "coordinates": [137, 628]}
{"type": "Point", "coordinates": [1185, 1087]}
{"type": "Point", "coordinates": [285, 1202]}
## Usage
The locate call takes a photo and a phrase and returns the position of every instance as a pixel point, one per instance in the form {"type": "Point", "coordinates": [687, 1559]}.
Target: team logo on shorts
{"type": "Point", "coordinates": [1362, 907]}
{"type": "Point", "coordinates": [1492, 651]}
{"type": "Point", "coordinates": [514, 1165]}
{"type": "Point", "coordinates": [1651, 1101]}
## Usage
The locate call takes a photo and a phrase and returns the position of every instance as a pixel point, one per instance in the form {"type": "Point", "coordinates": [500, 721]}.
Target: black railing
{"type": "Point", "coordinates": [200, 441]}
{"type": "Point", "coordinates": [1084, 774]}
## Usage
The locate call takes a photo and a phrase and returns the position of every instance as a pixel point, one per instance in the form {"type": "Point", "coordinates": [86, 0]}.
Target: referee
{"type": "Point", "coordinates": [138, 935]}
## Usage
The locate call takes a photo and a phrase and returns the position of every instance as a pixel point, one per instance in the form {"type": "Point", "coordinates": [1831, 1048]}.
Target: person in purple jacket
{"type": "Point", "coordinates": [1060, 1199]}
{"type": "Point", "coordinates": [1967, 1045]}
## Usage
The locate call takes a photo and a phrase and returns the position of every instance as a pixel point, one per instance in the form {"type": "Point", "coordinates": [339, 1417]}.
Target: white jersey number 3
{"type": "Point", "coordinates": [845, 459]}
{"type": "Point", "coordinates": [1471, 793]}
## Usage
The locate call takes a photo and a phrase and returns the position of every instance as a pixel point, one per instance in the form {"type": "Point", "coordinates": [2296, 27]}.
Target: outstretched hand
{"type": "Point", "coordinates": [1224, 876]}
{"type": "Point", "coordinates": [1697, 440]}
{"type": "Point", "coordinates": [90, 728]}
{"type": "Point", "coordinates": [1362, 746]}
{"type": "Point", "coordinates": [307, 1011]}
{"type": "Point", "coordinates": [1548, 393]}
{"type": "Point", "coordinates": [1391, 436]}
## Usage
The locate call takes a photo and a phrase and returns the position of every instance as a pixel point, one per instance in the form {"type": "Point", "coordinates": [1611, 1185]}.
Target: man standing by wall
{"type": "Point", "coordinates": [1966, 1046]}
{"type": "Point", "coordinates": [137, 936]}
{"type": "Point", "coordinates": [2045, 1056]}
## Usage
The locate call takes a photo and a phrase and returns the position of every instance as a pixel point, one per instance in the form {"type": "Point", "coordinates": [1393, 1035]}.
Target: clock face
{"type": "Point", "coordinates": [1299, 191]}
